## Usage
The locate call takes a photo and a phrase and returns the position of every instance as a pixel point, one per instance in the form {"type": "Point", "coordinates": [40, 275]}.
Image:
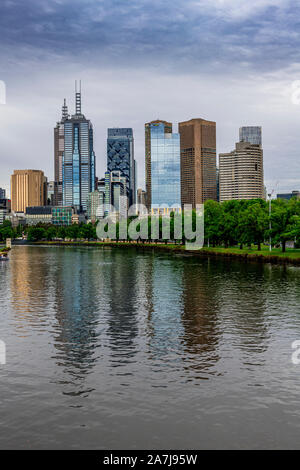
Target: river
{"type": "Point", "coordinates": [115, 348]}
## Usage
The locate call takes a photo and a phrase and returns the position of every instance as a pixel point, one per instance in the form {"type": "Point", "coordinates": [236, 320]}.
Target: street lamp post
{"type": "Point", "coordinates": [270, 222]}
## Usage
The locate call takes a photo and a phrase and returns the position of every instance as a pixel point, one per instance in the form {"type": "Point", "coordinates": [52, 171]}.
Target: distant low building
{"type": "Point", "coordinates": [288, 196]}
{"type": "Point", "coordinates": [62, 215]}
{"type": "Point", "coordinates": [49, 215]}
{"type": "Point", "coordinates": [4, 209]}
{"type": "Point", "coordinates": [16, 218]}
{"type": "Point", "coordinates": [37, 215]}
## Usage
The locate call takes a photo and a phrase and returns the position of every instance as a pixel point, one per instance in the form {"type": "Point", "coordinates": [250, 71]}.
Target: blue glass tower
{"type": "Point", "coordinates": [120, 157]}
{"type": "Point", "coordinates": [165, 167]}
{"type": "Point", "coordinates": [252, 134]}
{"type": "Point", "coordinates": [78, 161]}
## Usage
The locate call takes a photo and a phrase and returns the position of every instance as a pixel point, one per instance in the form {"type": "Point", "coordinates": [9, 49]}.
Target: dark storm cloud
{"type": "Point", "coordinates": [232, 61]}
{"type": "Point", "coordinates": [170, 32]}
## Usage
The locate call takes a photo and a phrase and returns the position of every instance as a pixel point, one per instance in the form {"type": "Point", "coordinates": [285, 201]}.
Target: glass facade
{"type": "Point", "coordinates": [120, 157]}
{"type": "Point", "coordinates": [165, 167]}
{"type": "Point", "coordinates": [78, 161]}
{"type": "Point", "coordinates": [252, 134]}
{"type": "Point", "coordinates": [2, 193]}
{"type": "Point", "coordinates": [62, 215]}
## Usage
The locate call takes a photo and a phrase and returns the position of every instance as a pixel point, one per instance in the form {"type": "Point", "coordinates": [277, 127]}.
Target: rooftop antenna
{"type": "Point", "coordinates": [78, 98]}
{"type": "Point", "coordinates": [64, 110]}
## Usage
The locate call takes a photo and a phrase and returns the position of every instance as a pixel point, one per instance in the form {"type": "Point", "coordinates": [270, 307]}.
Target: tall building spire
{"type": "Point", "coordinates": [64, 110]}
{"type": "Point", "coordinates": [77, 98]}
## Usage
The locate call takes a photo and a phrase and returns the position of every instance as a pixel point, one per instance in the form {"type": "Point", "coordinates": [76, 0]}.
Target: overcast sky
{"type": "Point", "coordinates": [231, 61]}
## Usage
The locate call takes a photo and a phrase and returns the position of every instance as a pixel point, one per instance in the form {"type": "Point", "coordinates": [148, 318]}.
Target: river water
{"type": "Point", "coordinates": [124, 349]}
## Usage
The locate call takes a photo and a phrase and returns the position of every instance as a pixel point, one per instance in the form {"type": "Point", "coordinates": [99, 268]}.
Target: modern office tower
{"type": "Point", "coordinates": [241, 173]}
{"type": "Point", "coordinates": [75, 157]}
{"type": "Point", "coordinates": [95, 201]}
{"type": "Point", "coordinates": [27, 189]}
{"type": "Point", "coordinates": [252, 134]}
{"type": "Point", "coordinates": [162, 166]}
{"type": "Point", "coordinates": [59, 147]}
{"type": "Point", "coordinates": [288, 196]}
{"type": "Point", "coordinates": [120, 157]}
{"type": "Point", "coordinates": [116, 193]}
{"type": "Point", "coordinates": [198, 161]}
{"type": "Point", "coordinates": [2, 193]}
{"type": "Point", "coordinates": [148, 132]}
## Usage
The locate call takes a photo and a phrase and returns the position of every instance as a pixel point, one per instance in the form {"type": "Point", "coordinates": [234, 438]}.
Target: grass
{"type": "Point", "coordinates": [253, 251]}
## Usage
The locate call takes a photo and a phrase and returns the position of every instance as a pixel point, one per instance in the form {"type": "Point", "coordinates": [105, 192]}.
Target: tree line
{"type": "Point", "coordinates": [231, 223]}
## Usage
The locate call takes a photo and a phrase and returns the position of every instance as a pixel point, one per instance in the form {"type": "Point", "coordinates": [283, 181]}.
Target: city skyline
{"type": "Point", "coordinates": [180, 71]}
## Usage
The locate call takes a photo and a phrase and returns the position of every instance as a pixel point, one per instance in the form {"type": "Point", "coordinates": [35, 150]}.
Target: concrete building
{"type": "Point", "coordinates": [2, 193]}
{"type": "Point", "coordinates": [95, 201]}
{"type": "Point", "coordinates": [4, 209]}
{"type": "Point", "coordinates": [27, 189]}
{"type": "Point", "coordinates": [52, 193]}
{"type": "Point", "coordinates": [141, 196]}
{"type": "Point", "coordinates": [198, 161]}
{"type": "Point", "coordinates": [58, 215]}
{"type": "Point", "coordinates": [241, 173]}
{"type": "Point", "coordinates": [37, 215]}
{"type": "Point", "coordinates": [115, 193]}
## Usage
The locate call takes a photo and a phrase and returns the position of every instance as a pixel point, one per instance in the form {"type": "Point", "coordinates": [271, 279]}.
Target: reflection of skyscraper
{"type": "Point", "coordinates": [198, 161]}
{"type": "Point", "coordinates": [75, 157]}
{"type": "Point", "coordinates": [162, 165]}
{"type": "Point", "coordinates": [120, 287]}
{"type": "Point", "coordinates": [120, 157]}
{"type": "Point", "coordinates": [200, 315]}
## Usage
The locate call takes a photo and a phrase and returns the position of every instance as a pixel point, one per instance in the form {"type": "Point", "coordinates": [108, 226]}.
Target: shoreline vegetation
{"type": "Point", "coordinates": [292, 256]}
{"type": "Point", "coordinates": [236, 229]}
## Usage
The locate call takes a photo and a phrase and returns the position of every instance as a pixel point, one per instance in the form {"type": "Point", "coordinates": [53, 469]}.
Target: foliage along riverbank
{"type": "Point", "coordinates": [247, 254]}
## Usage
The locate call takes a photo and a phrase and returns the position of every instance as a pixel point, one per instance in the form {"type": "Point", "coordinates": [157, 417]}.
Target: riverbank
{"type": "Point", "coordinates": [247, 254]}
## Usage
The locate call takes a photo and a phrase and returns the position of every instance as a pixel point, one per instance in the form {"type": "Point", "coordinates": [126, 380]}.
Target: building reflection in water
{"type": "Point", "coordinates": [30, 275]}
{"type": "Point", "coordinates": [120, 281]}
{"type": "Point", "coordinates": [77, 291]}
{"type": "Point", "coordinates": [200, 316]}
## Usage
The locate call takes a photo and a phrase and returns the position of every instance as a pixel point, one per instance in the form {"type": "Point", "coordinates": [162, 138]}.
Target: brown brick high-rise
{"type": "Point", "coordinates": [198, 161]}
{"type": "Point", "coordinates": [168, 130]}
{"type": "Point", "coordinates": [27, 189]}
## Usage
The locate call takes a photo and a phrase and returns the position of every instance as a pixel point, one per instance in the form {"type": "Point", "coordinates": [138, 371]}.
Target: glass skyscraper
{"type": "Point", "coordinates": [120, 157]}
{"type": "Point", "coordinates": [76, 149]}
{"type": "Point", "coordinates": [165, 167]}
{"type": "Point", "coordinates": [251, 134]}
